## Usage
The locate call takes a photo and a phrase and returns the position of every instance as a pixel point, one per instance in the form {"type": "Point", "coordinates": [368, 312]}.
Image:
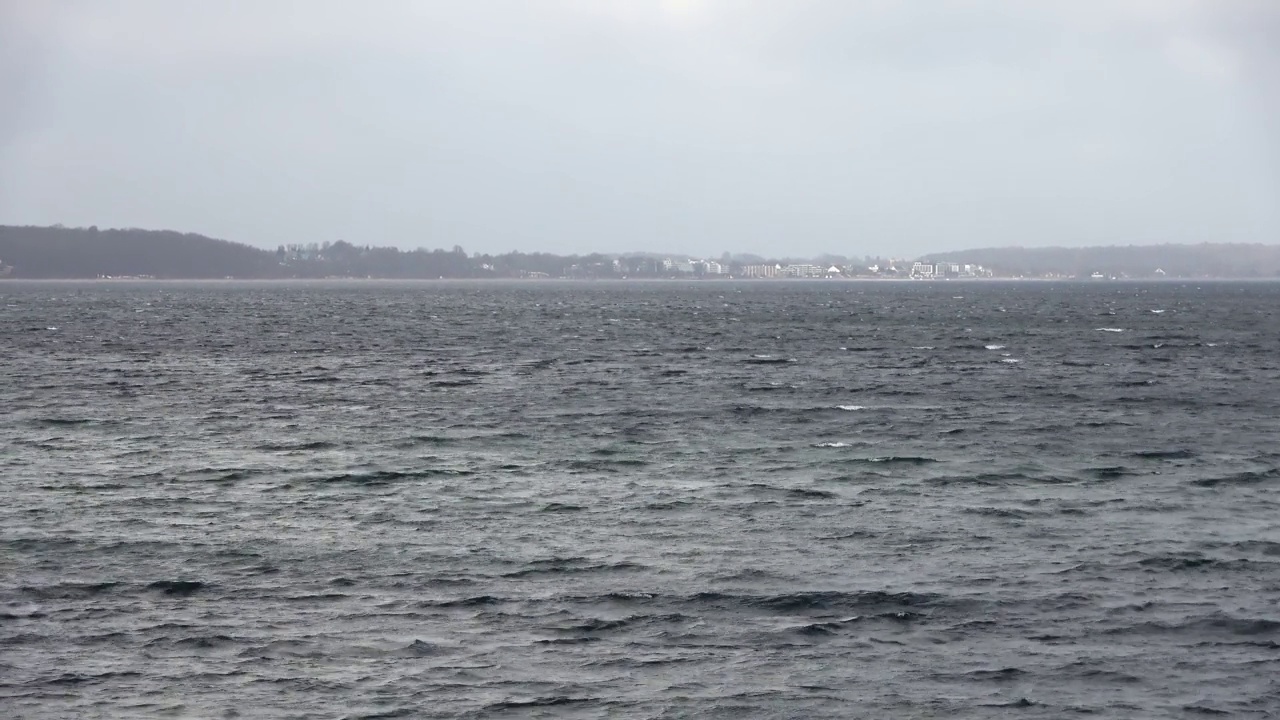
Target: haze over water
{"type": "Point", "coordinates": [639, 500]}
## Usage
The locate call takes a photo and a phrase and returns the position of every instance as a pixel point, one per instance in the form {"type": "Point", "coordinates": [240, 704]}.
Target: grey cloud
{"type": "Point", "coordinates": [704, 125]}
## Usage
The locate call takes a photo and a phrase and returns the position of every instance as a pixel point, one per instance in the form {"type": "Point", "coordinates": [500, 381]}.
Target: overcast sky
{"type": "Point", "coordinates": [779, 127]}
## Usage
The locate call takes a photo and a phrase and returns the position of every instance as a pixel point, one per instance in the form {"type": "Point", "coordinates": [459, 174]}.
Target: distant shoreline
{"type": "Point", "coordinates": [137, 255]}
{"type": "Point", "coordinates": [626, 281]}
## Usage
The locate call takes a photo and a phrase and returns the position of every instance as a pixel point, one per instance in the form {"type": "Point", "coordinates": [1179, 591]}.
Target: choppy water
{"type": "Point", "coordinates": [639, 500]}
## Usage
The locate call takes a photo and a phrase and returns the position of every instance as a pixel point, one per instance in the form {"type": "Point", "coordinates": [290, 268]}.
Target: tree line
{"type": "Point", "coordinates": [61, 252]}
{"type": "Point", "coordinates": [1206, 260]}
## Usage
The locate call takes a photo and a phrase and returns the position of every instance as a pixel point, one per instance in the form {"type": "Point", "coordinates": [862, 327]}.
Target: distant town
{"type": "Point", "coordinates": [729, 268]}
{"type": "Point", "coordinates": [59, 252]}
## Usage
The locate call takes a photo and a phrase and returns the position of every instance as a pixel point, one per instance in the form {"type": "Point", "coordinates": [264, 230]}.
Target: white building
{"type": "Point", "coordinates": [803, 271]}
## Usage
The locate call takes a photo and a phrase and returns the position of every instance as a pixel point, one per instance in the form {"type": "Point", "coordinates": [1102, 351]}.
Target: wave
{"type": "Point", "coordinates": [830, 627]}
{"type": "Point", "coordinates": [669, 505]}
{"type": "Point", "coordinates": [983, 479]}
{"type": "Point", "coordinates": [771, 387]}
{"type": "Point", "coordinates": [82, 679]}
{"type": "Point", "coordinates": [1019, 703]}
{"type": "Point", "coordinates": [473, 601]}
{"type": "Point", "coordinates": [281, 649]}
{"type": "Point", "coordinates": [70, 591]}
{"type": "Point", "coordinates": [1265, 547]}
{"type": "Point", "coordinates": [760, 410]}
{"type": "Point", "coordinates": [553, 701]}
{"type": "Point", "coordinates": [1204, 709]}
{"type": "Point", "coordinates": [606, 464]}
{"type": "Point", "coordinates": [295, 447]}
{"type": "Point", "coordinates": [823, 600]}
{"type": "Point", "coordinates": [386, 477]}
{"type": "Point", "coordinates": [181, 588]}
{"type": "Point", "coordinates": [415, 440]}
{"type": "Point", "coordinates": [404, 712]}
{"type": "Point", "coordinates": [596, 625]}
{"type": "Point", "coordinates": [316, 597]}
{"type": "Point", "coordinates": [1216, 624]}
{"type": "Point", "coordinates": [1089, 670]}
{"type": "Point", "coordinates": [1253, 477]}
{"type": "Point", "coordinates": [1110, 472]}
{"type": "Point", "coordinates": [231, 476]}
{"type": "Point", "coordinates": [1180, 454]}
{"type": "Point", "coordinates": [1176, 563]}
{"type": "Point", "coordinates": [561, 508]}
{"type": "Point", "coordinates": [471, 372]}
{"type": "Point", "coordinates": [804, 493]}
{"type": "Point", "coordinates": [1001, 675]}
{"type": "Point", "coordinates": [895, 460]}
{"type": "Point", "coordinates": [570, 567]}
{"type": "Point", "coordinates": [204, 642]}
{"type": "Point", "coordinates": [420, 648]}
{"type": "Point", "coordinates": [679, 608]}
{"type": "Point", "coordinates": [1012, 513]}
{"type": "Point", "coordinates": [768, 360]}
{"type": "Point", "coordinates": [66, 422]}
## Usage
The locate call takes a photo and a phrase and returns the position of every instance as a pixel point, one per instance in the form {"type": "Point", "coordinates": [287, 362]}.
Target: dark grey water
{"type": "Point", "coordinates": [639, 500]}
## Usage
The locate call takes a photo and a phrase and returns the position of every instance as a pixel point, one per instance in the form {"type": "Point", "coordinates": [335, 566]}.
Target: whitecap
{"type": "Point", "coordinates": [994, 347]}
{"type": "Point", "coordinates": [1157, 311]}
{"type": "Point", "coordinates": [851, 407]}
{"type": "Point", "coordinates": [832, 445]}
{"type": "Point", "coordinates": [1010, 360]}
{"type": "Point", "coordinates": [1110, 329]}
{"type": "Point", "coordinates": [922, 347]}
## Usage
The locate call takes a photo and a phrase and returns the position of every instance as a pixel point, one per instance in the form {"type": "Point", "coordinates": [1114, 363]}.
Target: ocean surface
{"type": "Point", "coordinates": [639, 500]}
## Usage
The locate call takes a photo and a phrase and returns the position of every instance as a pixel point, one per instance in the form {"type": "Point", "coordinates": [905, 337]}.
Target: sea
{"type": "Point", "coordinates": [756, 499]}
